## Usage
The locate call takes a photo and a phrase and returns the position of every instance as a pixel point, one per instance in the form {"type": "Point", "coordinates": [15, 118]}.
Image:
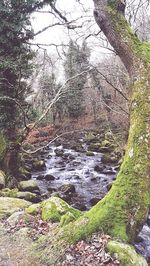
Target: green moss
{"type": "Point", "coordinates": [33, 209]}
{"type": "Point", "coordinates": [3, 146]}
{"type": "Point", "coordinates": [24, 172]}
{"type": "Point", "coordinates": [11, 205]}
{"type": "Point", "coordinates": [54, 208]}
{"type": "Point", "coordinates": [6, 192]}
{"type": "Point", "coordinates": [29, 185]}
{"type": "Point", "coordinates": [126, 254]}
{"type": "Point", "coordinates": [140, 51]}
{"type": "Point", "coordinates": [67, 218]}
{"type": "Point", "coordinates": [90, 153]}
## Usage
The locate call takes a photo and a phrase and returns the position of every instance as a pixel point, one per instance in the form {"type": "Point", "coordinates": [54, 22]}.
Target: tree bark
{"type": "Point", "coordinates": [123, 210]}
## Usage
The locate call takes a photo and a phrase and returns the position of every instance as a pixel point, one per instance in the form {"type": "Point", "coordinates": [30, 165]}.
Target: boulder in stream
{"type": "Point", "coordinates": [29, 185]}
{"type": "Point", "coordinates": [49, 177]}
{"type": "Point", "coordinates": [99, 168]}
{"type": "Point", "coordinates": [38, 165]}
{"type": "Point", "coordinates": [94, 201]}
{"type": "Point", "coordinates": [59, 152]}
{"type": "Point", "coordinates": [109, 158]}
{"type": "Point", "coordinates": [29, 196]}
{"type": "Point", "coordinates": [89, 153]}
{"type": "Point", "coordinates": [67, 188]}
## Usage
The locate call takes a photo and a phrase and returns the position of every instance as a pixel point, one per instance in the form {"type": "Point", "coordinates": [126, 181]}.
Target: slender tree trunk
{"type": "Point", "coordinates": [123, 210]}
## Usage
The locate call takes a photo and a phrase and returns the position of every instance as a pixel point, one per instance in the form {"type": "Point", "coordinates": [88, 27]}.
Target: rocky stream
{"type": "Point", "coordinates": [81, 172]}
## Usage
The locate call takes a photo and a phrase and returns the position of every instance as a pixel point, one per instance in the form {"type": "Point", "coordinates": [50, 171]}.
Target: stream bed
{"type": "Point", "coordinates": [90, 179]}
{"type": "Point", "coordinates": [82, 179]}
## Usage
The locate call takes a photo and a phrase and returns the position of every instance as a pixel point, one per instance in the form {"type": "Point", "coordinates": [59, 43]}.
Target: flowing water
{"type": "Point", "coordinates": [78, 169]}
{"type": "Point", "coordinates": [91, 185]}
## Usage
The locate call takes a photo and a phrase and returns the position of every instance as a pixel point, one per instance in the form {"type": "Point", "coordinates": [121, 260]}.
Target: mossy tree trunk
{"type": "Point", "coordinates": [124, 209]}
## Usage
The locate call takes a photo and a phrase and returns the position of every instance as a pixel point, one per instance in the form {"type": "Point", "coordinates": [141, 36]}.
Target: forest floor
{"type": "Point", "coordinates": [18, 250]}
{"type": "Point", "coordinates": [14, 250]}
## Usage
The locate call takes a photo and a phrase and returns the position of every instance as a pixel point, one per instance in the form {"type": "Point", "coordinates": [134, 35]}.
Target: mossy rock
{"type": "Point", "coordinates": [108, 158]}
{"type": "Point", "coordinates": [54, 208]}
{"type": "Point", "coordinates": [59, 152]}
{"type": "Point", "coordinates": [2, 179]}
{"type": "Point", "coordinates": [29, 196]}
{"type": "Point", "coordinates": [94, 147]}
{"type": "Point", "coordinates": [11, 205]}
{"type": "Point", "coordinates": [90, 137]}
{"type": "Point", "coordinates": [38, 165]}
{"type": "Point", "coordinates": [33, 209]}
{"type": "Point", "coordinates": [78, 147]}
{"type": "Point", "coordinates": [67, 218]}
{"type": "Point", "coordinates": [90, 153]}
{"type": "Point", "coordinates": [29, 185]}
{"type": "Point", "coordinates": [6, 192]}
{"type": "Point", "coordinates": [126, 254]}
{"type": "Point", "coordinates": [24, 173]}
{"type": "Point", "coordinates": [108, 135]}
{"type": "Point", "coordinates": [106, 143]}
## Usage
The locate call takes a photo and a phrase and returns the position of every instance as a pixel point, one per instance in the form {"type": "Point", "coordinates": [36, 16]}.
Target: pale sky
{"type": "Point", "coordinates": [60, 34]}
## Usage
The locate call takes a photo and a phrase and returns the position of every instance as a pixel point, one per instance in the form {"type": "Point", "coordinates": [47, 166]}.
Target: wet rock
{"type": "Point", "coordinates": [78, 147]}
{"type": "Point", "coordinates": [66, 188]}
{"type": "Point", "coordinates": [32, 197]}
{"type": "Point", "coordinates": [65, 157]}
{"type": "Point", "coordinates": [62, 168]}
{"type": "Point", "coordinates": [66, 197]}
{"type": "Point", "coordinates": [116, 168]}
{"type": "Point", "coordinates": [108, 172]}
{"type": "Point", "coordinates": [80, 206]}
{"type": "Point", "coordinates": [94, 147]}
{"type": "Point", "coordinates": [29, 185]}
{"type": "Point", "coordinates": [94, 201]}
{"type": "Point", "coordinates": [109, 159]}
{"type": "Point", "coordinates": [109, 186]}
{"type": "Point", "coordinates": [71, 157]}
{"type": "Point", "coordinates": [93, 179]}
{"type": "Point", "coordinates": [106, 149]}
{"type": "Point", "coordinates": [39, 165]}
{"type": "Point", "coordinates": [49, 177]}
{"type": "Point", "coordinates": [77, 177]}
{"type": "Point", "coordinates": [43, 152]}
{"type": "Point", "coordinates": [76, 163]}
{"type": "Point", "coordinates": [90, 153]}
{"type": "Point", "coordinates": [99, 168]}
{"type": "Point", "coordinates": [51, 189]}
{"type": "Point", "coordinates": [2, 179]}
{"type": "Point", "coordinates": [40, 177]}
{"type": "Point", "coordinates": [59, 152]}
{"type": "Point", "coordinates": [49, 156]}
